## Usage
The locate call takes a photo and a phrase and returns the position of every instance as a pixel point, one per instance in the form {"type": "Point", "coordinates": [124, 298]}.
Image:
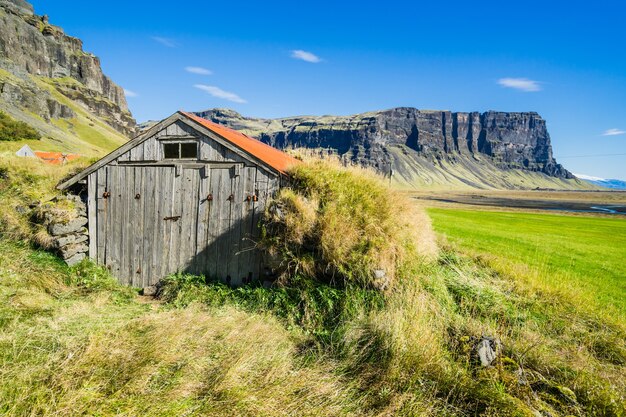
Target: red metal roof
{"type": "Point", "coordinates": [56, 158]}
{"type": "Point", "coordinates": [273, 157]}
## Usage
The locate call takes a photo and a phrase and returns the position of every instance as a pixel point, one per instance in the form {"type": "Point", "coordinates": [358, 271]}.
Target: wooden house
{"type": "Point", "coordinates": [184, 196]}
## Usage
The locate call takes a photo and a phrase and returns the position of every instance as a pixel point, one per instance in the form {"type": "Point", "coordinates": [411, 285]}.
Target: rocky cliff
{"type": "Point", "coordinates": [41, 68]}
{"type": "Point", "coordinates": [401, 138]}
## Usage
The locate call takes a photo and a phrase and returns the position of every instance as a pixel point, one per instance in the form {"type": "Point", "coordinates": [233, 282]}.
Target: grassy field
{"type": "Point", "coordinates": [75, 342]}
{"type": "Point", "coordinates": [579, 257]}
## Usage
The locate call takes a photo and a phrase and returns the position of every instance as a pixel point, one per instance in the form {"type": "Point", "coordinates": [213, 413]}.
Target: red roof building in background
{"type": "Point", "coordinates": [56, 158]}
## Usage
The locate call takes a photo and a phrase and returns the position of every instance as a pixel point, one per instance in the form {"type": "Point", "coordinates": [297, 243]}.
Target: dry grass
{"type": "Point", "coordinates": [343, 224]}
{"type": "Point", "coordinates": [73, 342]}
{"type": "Point", "coordinates": [25, 183]}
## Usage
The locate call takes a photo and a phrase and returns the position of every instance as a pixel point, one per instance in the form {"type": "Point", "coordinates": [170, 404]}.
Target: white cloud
{"type": "Point", "coordinates": [130, 93]}
{"type": "Point", "coordinates": [219, 93]}
{"type": "Point", "coordinates": [522, 84]}
{"type": "Point", "coordinates": [588, 177]}
{"type": "Point", "coordinates": [170, 43]}
{"type": "Point", "coordinates": [305, 56]}
{"type": "Point", "coordinates": [198, 70]}
{"type": "Point", "coordinates": [613, 132]}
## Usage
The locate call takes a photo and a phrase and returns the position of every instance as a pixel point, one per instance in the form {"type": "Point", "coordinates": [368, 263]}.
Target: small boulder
{"type": "Point", "coordinates": [73, 260]}
{"type": "Point", "coordinates": [149, 291]}
{"type": "Point", "coordinates": [72, 226]}
{"type": "Point", "coordinates": [69, 251]}
{"type": "Point", "coordinates": [487, 350]}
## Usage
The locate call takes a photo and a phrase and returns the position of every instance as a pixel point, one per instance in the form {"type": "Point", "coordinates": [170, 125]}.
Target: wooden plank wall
{"type": "Point", "coordinates": [154, 222]}
{"type": "Point", "coordinates": [151, 150]}
{"type": "Point", "coordinates": [149, 221]}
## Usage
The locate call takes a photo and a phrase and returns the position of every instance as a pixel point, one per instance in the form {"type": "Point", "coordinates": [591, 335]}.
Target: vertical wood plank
{"type": "Point", "coordinates": [234, 229]}
{"type": "Point", "coordinates": [148, 213]}
{"type": "Point", "coordinates": [248, 242]}
{"type": "Point", "coordinates": [102, 214]}
{"type": "Point", "coordinates": [222, 225]}
{"type": "Point", "coordinates": [175, 225]}
{"type": "Point", "coordinates": [126, 180]}
{"type": "Point", "coordinates": [92, 225]}
{"type": "Point", "coordinates": [138, 228]}
{"type": "Point", "coordinates": [215, 205]}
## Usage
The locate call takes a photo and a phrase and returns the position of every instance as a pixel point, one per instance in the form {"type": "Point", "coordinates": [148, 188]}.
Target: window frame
{"type": "Point", "coordinates": [179, 143]}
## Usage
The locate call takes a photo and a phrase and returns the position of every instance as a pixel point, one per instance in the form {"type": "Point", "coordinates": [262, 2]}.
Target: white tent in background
{"type": "Point", "coordinates": [26, 151]}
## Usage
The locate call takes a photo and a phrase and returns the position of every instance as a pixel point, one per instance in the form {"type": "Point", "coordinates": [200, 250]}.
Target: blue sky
{"type": "Point", "coordinates": [565, 60]}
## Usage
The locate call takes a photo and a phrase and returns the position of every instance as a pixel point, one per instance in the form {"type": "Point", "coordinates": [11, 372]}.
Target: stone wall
{"type": "Point", "coordinates": [65, 218]}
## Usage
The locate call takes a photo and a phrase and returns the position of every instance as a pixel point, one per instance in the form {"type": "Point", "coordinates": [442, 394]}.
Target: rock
{"type": "Point", "coordinates": [75, 225]}
{"type": "Point", "coordinates": [381, 281]}
{"type": "Point", "coordinates": [75, 259]}
{"type": "Point", "coordinates": [62, 241]}
{"type": "Point", "coordinates": [69, 251]}
{"type": "Point", "coordinates": [150, 291]}
{"type": "Point", "coordinates": [508, 140]}
{"type": "Point", "coordinates": [487, 350]}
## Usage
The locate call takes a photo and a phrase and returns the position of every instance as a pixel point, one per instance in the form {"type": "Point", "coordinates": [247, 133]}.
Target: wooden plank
{"type": "Point", "coordinates": [124, 157]}
{"type": "Point", "coordinates": [175, 130]}
{"type": "Point", "coordinates": [159, 188]}
{"type": "Point", "coordinates": [148, 232]}
{"type": "Point", "coordinates": [188, 221]}
{"type": "Point", "coordinates": [102, 214]}
{"type": "Point", "coordinates": [212, 151]}
{"type": "Point", "coordinates": [221, 226]}
{"type": "Point", "coordinates": [123, 219]}
{"type": "Point", "coordinates": [175, 225]}
{"type": "Point", "coordinates": [137, 226]}
{"type": "Point", "coordinates": [262, 189]}
{"type": "Point", "coordinates": [234, 227]}
{"type": "Point", "coordinates": [211, 257]}
{"type": "Point", "coordinates": [92, 185]}
{"type": "Point", "coordinates": [149, 150]}
{"type": "Point", "coordinates": [248, 243]}
{"type": "Point", "coordinates": [115, 237]}
{"type": "Point", "coordinates": [204, 186]}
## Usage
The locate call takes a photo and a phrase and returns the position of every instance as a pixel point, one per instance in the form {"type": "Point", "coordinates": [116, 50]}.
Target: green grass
{"type": "Point", "coordinates": [13, 130]}
{"type": "Point", "coordinates": [579, 257]}
{"type": "Point", "coordinates": [74, 342]}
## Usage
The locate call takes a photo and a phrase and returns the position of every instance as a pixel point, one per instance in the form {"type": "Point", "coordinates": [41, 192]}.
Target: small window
{"type": "Point", "coordinates": [180, 150]}
{"type": "Point", "coordinates": [188, 150]}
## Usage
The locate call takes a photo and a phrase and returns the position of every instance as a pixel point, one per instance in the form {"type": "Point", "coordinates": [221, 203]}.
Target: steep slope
{"type": "Point", "coordinates": [424, 148]}
{"type": "Point", "coordinates": [49, 82]}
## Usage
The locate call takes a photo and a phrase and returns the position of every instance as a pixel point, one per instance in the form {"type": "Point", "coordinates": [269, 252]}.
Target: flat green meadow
{"type": "Point", "coordinates": [579, 257]}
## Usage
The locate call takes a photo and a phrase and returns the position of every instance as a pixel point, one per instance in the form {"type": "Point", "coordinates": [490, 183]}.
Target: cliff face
{"type": "Point", "coordinates": [505, 140]}
{"type": "Point", "coordinates": [33, 50]}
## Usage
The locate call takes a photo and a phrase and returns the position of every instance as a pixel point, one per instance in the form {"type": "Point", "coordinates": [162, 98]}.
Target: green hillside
{"type": "Point", "coordinates": [84, 133]}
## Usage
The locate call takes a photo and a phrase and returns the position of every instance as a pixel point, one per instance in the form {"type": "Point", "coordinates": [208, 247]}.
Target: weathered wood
{"type": "Point", "coordinates": [92, 226]}
{"type": "Point", "coordinates": [234, 228]}
{"type": "Point", "coordinates": [247, 249]}
{"type": "Point", "coordinates": [138, 229]}
{"type": "Point", "coordinates": [199, 266]}
{"type": "Point", "coordinates": [222, 225]}
{"type": "Point", "coordinates": [102, 212]}
{"type": "Point", "coordinates": [149, 212]}
{"type": "Point", "coordinates": [215, 205]}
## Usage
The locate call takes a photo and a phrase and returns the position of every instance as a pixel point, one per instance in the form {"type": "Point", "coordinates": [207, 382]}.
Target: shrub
{"type": "Point", "coordinates": [14, 130]}
{"type": "Point", "coordinates": [343, 226]}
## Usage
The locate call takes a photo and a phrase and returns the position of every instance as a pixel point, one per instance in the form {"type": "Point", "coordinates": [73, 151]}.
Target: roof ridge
{"type": "Point", "coordinates": [272, 156]}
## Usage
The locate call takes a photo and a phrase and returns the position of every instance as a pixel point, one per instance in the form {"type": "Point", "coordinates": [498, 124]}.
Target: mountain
{"type": "Point", "coordinates": [424, 147]}
{"type": "Point", "coordinates": [49, 82]}
{"type": "Point", "coordinates": [613, 184]}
